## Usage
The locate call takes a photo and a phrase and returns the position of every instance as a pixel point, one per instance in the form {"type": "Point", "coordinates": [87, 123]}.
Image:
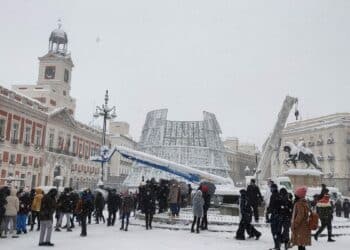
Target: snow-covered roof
{"type": "Point", "coordinates": [303, 172]}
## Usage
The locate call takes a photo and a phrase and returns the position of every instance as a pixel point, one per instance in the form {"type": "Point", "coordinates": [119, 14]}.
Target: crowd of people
{"type": "Point", "coordinates": [285, 213]}
{"type": "Point", "coordinates": [24, 209]}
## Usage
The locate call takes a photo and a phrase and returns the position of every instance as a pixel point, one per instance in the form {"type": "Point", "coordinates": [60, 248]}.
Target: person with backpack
{"type": "Point", "coordinates": [325, 212]}
{"type": "Point", "coordinates": [246, 218]}
{"type": "Point", "coordinates": [301, 232]}
{"type": "Point", "coordinates": [83, 208]}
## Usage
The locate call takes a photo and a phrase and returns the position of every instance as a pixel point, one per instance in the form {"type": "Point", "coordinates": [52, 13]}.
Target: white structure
{"type": "Point", "coordinates": [196, 144]}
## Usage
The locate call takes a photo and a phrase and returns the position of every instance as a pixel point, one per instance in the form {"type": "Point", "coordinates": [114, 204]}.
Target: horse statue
{"type": "Point", "coordinates": [300, 153]}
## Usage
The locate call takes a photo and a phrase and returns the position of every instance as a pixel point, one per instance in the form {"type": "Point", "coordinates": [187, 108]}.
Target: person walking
{"type": "Point", "coordinates": [274, 210]}
{"type": "Point", "coordinates": [346, 208]}
{"type": "Point", "coordinates": [255, 198]}
{"type": "Point", "coordinates": [301, 233]}
{"type": "Point", "coordinates": [197, 209]}
{"type": "Point", "coordinates": [149, 205]}
{"type": "Point", "coordinates": [48, 207]}
{"type": "Point", "coordinates": [11, 209]}
{"type": "Point", "coordinates": [325, 212]}
{"type": "Point", "coordinates": [246, 218]}
{"type": "Point", "coordinates": [24, 209]}
{"type": "Point", "coordinates": [174, 199]}
{"type": "Point", "coordinates": [36, 204]}
{"type": "Point", "coordinates": [126, 207]}
{"type": "Point", "coordinates": [113, 204]}
{"type": "Point", "coordinates": [286, 216]}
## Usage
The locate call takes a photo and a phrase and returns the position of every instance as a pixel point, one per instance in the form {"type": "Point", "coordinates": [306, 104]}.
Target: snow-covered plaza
{"type": "Point", "coordinates": [168, 237]}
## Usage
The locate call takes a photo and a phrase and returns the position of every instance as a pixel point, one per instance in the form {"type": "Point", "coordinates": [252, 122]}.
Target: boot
{"type": "Point", "coordinates": [330, 239]}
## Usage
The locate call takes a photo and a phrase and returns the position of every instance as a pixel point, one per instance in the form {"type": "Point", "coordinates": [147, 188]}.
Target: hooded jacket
{"type": "Point", "coordinates": [12, 205]}
{"type": "Point", "coordinates": [36, 204]}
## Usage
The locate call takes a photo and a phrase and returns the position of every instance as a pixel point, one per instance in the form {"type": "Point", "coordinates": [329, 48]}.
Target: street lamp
{"type": "Point", "coordinates": [107, 113]}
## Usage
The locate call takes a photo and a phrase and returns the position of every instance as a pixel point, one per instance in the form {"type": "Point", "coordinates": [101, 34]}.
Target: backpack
{"type": "Point", "coordinates": [313, 220]}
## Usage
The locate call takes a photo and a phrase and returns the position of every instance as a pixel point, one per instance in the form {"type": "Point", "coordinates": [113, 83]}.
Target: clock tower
{"type": "Point", "coordinates": [54, 79]}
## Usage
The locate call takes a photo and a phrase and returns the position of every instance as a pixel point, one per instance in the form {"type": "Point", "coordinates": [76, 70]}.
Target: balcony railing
{"type": "Point", "coordinates": [24, 164]}
{"type": "Point", "coordinates": [26, 144]}
{"type": "Point", "coordinates": [14, 141]}
{"type": "Point", "coordinates": [2, 138]}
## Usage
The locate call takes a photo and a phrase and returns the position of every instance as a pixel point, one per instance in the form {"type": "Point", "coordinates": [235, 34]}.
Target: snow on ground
{"type": "Point", "coordinates": [164, 238]}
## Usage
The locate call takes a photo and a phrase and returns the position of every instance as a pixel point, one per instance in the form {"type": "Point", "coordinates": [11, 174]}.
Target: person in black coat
{"type": "Point", "coordinates": [275, 210]}
{"type": "Point", "coordinates": [3, 194]}
{"type": "Point", "coordinates": [48, 207]}
{"type": "Point", "coordinates": [65, 205]}
{"type": "Point", "coordinates": [286, 216]}
{"type": "Point", "coordinates": [149, 204]}
{"type": "Point", "coordinates": [246, 219]}
{"type": "Point", "coordinates": [346, 208]}
{"type": "Point", "coordinates": [338, 207]}
{"type": "Point", "coordinates": [99, 206]}
{"type": "Point", "coordinates": [113, 204]}
{"type": "Point", "coordinates": [255, 198]}
{"type": "Point", "coordinates": [84, 207]}
{"type": "Point", "coordinates": [206, 198]}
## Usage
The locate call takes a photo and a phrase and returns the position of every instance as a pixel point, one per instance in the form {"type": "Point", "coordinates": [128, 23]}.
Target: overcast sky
{"type": "Point", "coordinates": [237, 59]}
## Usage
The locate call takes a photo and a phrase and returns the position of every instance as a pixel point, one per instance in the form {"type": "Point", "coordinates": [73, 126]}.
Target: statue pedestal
{"type": "Point", "coordinates": [304, 177]}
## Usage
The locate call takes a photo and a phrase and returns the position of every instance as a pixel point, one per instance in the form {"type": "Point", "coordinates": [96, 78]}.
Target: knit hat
{"type": "Point", "coordinates": [301, 191]}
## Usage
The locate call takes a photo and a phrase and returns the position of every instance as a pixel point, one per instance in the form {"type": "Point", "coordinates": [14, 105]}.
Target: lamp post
{"type": "Point", "coordinates": [107, 113]}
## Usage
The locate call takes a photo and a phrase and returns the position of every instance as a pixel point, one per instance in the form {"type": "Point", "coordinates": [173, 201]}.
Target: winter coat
{"type": "Point", "coordinates": [286, 208]}
{"type": "Point", "coordinates": [338, 206]}
{"type": "Point", "coordinates": [245, 208]}
{"type": "Point", "coordinates": [149, 201]}
{"type": "Point", "coordinates": [197, 204]}
{"type": "Point", "coordinates": [48, 206]}
{"type": "Point", "coordinates": [324, 208]}
{"type": "Point", "coordinates": [24, 204]}
{"type": "Point", "coordinates": [206, 198]}
{"type": "Point", "coordinates": [301, 234]}
{"type": "Point", "coordinates": [174, 194]}
{"type": "Point", "coordinates": [12, 205]}
{"type": "Point", "coordinates": [65, 203]}
{"type": "Point", "coordinates": [85, 204]}
{"type": "Point", "coordinates": [36, 204]}
{"type": "Point", "coordinates": [275, 205]}
{"type": "Point", "coordinates": [253, 194]}
{"type": "Point", "coordinates": [346, 206]}
{"type": "Point", "coordinates": [127, 204]}
{"type": "Point", "coordinates": [99, 202]}
{"type": "Point", "coordinates": [2, 201]}
{"type": "Point", "coordinates": [113, 202]}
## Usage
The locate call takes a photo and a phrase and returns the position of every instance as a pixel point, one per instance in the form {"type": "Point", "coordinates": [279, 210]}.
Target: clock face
{"type": "Point", "coordinates": [66, 75]}
{"type": "Point", "coordinates": [50, 72]}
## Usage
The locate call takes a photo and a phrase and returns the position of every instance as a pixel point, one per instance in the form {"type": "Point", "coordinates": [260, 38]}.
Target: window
{"type": "Point", "coordinates": [24, 162]}
{"type": "Point", "coordinates": [27, 135]}
{"type": "Point", "coordinates": [66, 75]}
{"type": "Point", "coordinates": [15, 133]}
{"type": "Point", "coordinates": [2, 128]}
{"type": "Point", "coordinates": [13, 159]}
{"type": "Point", "coordinates": [38, 137]}
{"type": "Point", "coordinates": [50, 72]}
{"type": "Point", "coordinates": [74, 146]}
{"type": "Point", "coordinates": [51, 138]}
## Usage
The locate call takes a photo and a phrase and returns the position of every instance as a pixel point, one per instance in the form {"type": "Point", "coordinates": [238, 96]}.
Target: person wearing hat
{"type": "Point", "coordinates": [301, 232]}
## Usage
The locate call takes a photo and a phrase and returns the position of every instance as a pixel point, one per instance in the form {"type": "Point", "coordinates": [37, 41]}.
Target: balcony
{"type": "Point", "coordinates": [319, 143]}
{"type": "Point", "coordinates": [330, 141]}
{"type": "Point", "coordinates": [24, 164]}
{"type": "Point", "coordinates": [331, 157]}
{"type": "Point", "coordinates": [26, 144]}
{"type": "Point", "coordinates": [2, 138]}
{"type": "Point", "coordinates": [12, 162]}
{"type": "Point", "coordinates": [37, 147]}
{"type": "Point", "coordinates": [14, 141]}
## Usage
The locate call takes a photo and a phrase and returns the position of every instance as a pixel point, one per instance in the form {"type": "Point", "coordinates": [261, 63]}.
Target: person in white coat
{"type": "Point", "coordinates": [12, 207]}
